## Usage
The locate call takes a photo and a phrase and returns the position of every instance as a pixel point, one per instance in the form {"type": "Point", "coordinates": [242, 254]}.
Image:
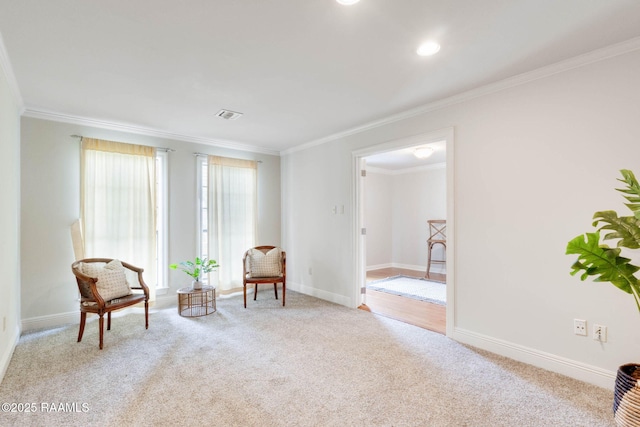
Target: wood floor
{"type": "Point", "coordinates": [420, 313]}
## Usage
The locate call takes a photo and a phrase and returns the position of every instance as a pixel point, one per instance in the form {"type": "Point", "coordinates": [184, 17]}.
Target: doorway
{"type": "Point", "coordinates": [382, 258]}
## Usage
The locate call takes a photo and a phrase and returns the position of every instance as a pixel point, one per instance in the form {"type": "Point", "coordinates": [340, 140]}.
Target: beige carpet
{"type": "Point", "coordinates": [310, 364]}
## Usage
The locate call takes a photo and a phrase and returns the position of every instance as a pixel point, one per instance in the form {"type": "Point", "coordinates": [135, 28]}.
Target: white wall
{"type": "Point", "coordinates": [398, 205]}
{"type": "Point", "coordinates": [50, 203]}
{"type": "Point", "coordinates": [417, 197]}
{"type": "Point", "coordinates": [533, 162]}
{"type": "Point", "coordinates": [9, 220]}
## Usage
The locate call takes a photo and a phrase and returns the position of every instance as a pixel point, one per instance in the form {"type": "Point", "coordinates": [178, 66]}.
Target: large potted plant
{"type": "Point", "coordinates": [196, 269]}
{"type": "Point", "coordinates": [607, 264]}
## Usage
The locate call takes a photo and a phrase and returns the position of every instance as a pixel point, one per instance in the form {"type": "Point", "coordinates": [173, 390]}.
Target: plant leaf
{"type": "Point", "coordinates": [632, 192]}
{"type": "Point", "coordinates": [625, 228]}
{"type": "Point", "coordinates": [603, 262]}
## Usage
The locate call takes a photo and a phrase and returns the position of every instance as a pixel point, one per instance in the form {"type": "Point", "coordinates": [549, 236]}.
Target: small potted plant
{"type": "Point", "coordinates": [607, 265]}
{"type": "Point", "coordinates": [196, 269]}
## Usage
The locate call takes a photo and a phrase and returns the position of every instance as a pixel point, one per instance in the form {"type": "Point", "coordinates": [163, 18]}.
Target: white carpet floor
{"type": "Point", "coordinates": [311, 363]}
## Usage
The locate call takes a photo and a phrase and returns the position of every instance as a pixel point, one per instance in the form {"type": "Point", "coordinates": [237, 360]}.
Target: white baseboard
{"type": "Point", "coordinates": [50, 321]}
{"type": "Point", "coordinates": [378, 266]}
{"type": "Point", "coordinates": [319, 293]}
{"type": "Point", "coordinates": [5, 358]}
{"type": "Point", "coordinates": [436, 268]}
{"type": "Point", "coordinates": [571, 368]}
{"type": "Point", "coordinates": [61, 319]}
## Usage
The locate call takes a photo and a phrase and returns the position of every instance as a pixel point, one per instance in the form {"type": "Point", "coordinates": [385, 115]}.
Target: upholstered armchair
{"type": "Point", "coordinates": [104, 288]}
{"type": "Point", "coordinates": [264, 265]}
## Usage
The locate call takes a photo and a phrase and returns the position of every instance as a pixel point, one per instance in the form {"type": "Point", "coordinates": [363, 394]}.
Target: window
{"type": "Point", "coordinates": [123, 207]}
{"type": "Point", "coordinates": [227, 215]}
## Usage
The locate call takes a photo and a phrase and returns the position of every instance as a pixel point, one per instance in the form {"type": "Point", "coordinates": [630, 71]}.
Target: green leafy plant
{"type": "Point", "coordinates": [196, 269]}
{"type": "Point", "coordinates": [605, 263]}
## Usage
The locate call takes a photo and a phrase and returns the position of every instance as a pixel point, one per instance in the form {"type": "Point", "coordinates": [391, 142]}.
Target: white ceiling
{"type": "Point", "coordinates": [300, 70]}
{"type": "Point", "coordinates": [405, 159]}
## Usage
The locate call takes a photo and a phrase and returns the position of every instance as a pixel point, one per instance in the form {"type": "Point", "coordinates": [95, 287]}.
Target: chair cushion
{"type": "Point", "coordinates": [264, 265]}
{"type": "Point", "coordinates": [112, 281]}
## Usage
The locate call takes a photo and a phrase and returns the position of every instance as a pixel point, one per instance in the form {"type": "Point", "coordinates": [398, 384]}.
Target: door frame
{"type": "Point", "coordinates": [359, 221]}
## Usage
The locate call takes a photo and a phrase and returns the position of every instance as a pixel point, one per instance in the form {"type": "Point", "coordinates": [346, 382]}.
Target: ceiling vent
{"type": "Point", "coordinates": [228, 114]}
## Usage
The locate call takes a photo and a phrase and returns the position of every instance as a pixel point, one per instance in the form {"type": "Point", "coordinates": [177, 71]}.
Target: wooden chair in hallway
{"type": "Point", "coordinates": [437, 236]}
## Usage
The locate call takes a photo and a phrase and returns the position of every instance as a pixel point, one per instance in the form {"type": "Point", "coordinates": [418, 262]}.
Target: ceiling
{"type": "Point", "coordinates": [405, 159]}
{"type": "Point", "coordinates": [301, 71]}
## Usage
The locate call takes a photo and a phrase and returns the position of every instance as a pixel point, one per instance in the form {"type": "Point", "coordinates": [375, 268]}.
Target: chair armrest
{"type": "Point", "coordinates": [141, 281]}
{"type": "Point", "coordinates": [91, 281]}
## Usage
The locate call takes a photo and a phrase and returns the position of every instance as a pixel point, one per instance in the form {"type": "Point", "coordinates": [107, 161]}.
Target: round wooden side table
{"type": "Point", "coordinates": [196, 302]}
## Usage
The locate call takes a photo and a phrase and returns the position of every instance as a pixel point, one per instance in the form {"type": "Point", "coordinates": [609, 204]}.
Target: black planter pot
{"type": "Point", "coordinates": [626, 403]}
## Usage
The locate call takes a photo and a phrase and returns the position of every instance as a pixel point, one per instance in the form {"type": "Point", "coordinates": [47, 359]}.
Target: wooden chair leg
{"type": "Point", "coordinates": [108, 321]}
{"type": "Point", "coordinates": [428, 261]}
{"type": "Point", "coordinates": [101, 326]}
{"type": "Point", "coordinates": [83, 319]}
{"type": "Point", "coordinates": [284, 292]}
{"type": "Point", "coordinates": [244, 294]}
{"type": "Point", "coordinates": [275, 289]}
{"type": "Point", "coordinates": [146, 314]}
{"type": "Point", "coordinates": [255, 291]}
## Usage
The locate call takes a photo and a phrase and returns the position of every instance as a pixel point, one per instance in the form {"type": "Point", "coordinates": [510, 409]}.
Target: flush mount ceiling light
{"type": "Point", "coordinates": [347, 2]}
{"type": "Point", "coordinates": [423, 152]}
{"type": "Point", "coordinates": [428, 48]}
{"type": "Point", "coordinates": [228, 114]}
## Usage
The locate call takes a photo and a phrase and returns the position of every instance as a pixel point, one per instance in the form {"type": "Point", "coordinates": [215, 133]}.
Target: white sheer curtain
{"type": "Point", "coordinates": [118, 204]}
{"type": "Point", "coordinates": [232, 216]}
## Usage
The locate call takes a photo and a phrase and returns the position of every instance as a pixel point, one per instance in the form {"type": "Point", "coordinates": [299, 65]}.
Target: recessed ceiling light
{"type": "Point", "coordinates": [428, 48]}
{"type": "Point", "coordinates": [347, 2]}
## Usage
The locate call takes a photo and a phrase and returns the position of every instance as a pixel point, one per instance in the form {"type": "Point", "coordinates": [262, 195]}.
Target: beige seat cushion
{"type": "Point", "coordinates": [264, 265]}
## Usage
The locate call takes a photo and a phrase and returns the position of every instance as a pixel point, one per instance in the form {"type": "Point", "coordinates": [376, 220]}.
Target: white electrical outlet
{"type": "Point", "coordinates": [580, 327]}
{"type": "Point", "coordinates": [600, 333]}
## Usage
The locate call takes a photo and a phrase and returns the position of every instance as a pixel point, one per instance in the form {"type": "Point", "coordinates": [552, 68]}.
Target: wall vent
{"type": "Point", "coordinates": [228, 114]}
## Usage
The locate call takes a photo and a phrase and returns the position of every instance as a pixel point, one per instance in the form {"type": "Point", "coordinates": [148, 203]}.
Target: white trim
{"type": "Point", "coordinates": [379, 266]}
{"type": "Point", "coordinates": [5, 64]}
{"type": "Point", "coordinates": [73, 318]}
{"type": "Point", "coordinates": [446, 134]}
{"type": "Point", "coordinates": [541, 359]}
{"type": "Point", "coordinates": [520, 79]}
{"type": "Point", "coordinates": [383, 171]}
{"type": "Point", "coordinates": [167, 300]}
{"type": "Point", "coordinates": [8, 354]}
{"type": "Point", "coordinates": [319, 293]}
{"type": "Point", "coordinates": [50, 321]}
{"type": "Point", "coordinates": [140, 130]}
{"type": "Point", "coordinates": [438, 268]}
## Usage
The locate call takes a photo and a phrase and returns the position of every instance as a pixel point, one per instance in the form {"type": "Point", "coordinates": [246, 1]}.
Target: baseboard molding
{"type": "Point", "coordinates": [5, 359]}
{"type": "Point", "coordinates": [319, 293]}
{"type": "Point", "coordinates": [61, 319]}
{"type": "Point", "coordinates": [571, 368]}
{"type": "Point", "coordinates": [50, 321]}
{"type": "Point", "coordinates": [378, 266]}
{"type": "Point", "coordinates": [437, 268]}
{"type": "Point", "coordinates": [165, 301]}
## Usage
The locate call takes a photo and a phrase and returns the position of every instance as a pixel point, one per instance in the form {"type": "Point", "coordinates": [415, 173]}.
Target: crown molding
{"type": "Point", "coordinates": [520, 79]}
{"type": "Point", "coordinates": [140, 130]}
{"type": "Point", "coordinates": [5, 65]}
